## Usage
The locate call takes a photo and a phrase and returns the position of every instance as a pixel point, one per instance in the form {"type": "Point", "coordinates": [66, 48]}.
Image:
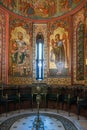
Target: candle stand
{"type": "Point", "coordinates": [38, 123]}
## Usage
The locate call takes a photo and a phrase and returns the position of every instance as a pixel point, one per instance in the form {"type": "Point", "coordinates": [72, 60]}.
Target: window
{"type": "Point", "coordinates": [39, 57]}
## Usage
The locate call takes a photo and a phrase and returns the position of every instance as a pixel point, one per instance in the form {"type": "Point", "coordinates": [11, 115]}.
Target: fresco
{"type": "Point", "coordinates": [41, 9]}
{"type": "Point", "coordinates": [59, 51]}
{"type": "Point", "coordinates": [59, 48]}
{"type": "Point", "coordinates": [20, 52]}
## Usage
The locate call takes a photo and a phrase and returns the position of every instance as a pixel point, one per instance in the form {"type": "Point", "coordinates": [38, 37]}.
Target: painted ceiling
{"type": "Point", "coordinates": [41, 9]}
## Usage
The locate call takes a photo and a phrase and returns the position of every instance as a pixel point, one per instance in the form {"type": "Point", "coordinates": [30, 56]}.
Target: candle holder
{"type": "Point", "coordinates": [38, 123]}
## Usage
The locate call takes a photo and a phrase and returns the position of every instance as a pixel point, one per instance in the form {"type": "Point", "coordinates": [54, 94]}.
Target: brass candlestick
{"type": "Point", "coordinates": [38, 124]}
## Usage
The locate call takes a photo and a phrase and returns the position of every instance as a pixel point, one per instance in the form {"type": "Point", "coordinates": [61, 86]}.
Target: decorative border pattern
{"type": "Point", "coordinates": [80, 52]}
{"type": "Point", "coordinates": [79, 17]}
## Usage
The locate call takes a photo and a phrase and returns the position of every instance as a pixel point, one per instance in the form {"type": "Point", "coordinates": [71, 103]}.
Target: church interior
{"type": "Point", "coordinates": [43, 64]}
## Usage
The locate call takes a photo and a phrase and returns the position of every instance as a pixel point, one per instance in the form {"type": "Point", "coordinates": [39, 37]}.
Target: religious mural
{"type": "Point", "coordinates": [40, 8]}
{"type": "Point", "coordinates": [59, 51]}
{"type": "Point", "coordinates": [20, 52]}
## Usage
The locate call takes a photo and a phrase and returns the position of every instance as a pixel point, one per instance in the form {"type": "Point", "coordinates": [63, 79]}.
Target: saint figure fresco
{"type": "Point", "coordinates": [59, 52]}
{"type": "Point", "coordinates": [20, 52]}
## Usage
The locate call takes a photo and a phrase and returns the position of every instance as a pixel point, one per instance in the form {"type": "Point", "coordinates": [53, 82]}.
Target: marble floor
{"type": "Point", "coordinates": [50, 119]}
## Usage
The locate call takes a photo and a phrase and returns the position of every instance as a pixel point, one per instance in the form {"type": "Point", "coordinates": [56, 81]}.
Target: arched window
{"type": "Point", "coordinates": [39, 57]}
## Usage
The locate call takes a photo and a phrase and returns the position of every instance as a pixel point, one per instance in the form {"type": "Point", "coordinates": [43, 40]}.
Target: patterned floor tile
{"type": "Point", "coordinates": [51, 120]}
